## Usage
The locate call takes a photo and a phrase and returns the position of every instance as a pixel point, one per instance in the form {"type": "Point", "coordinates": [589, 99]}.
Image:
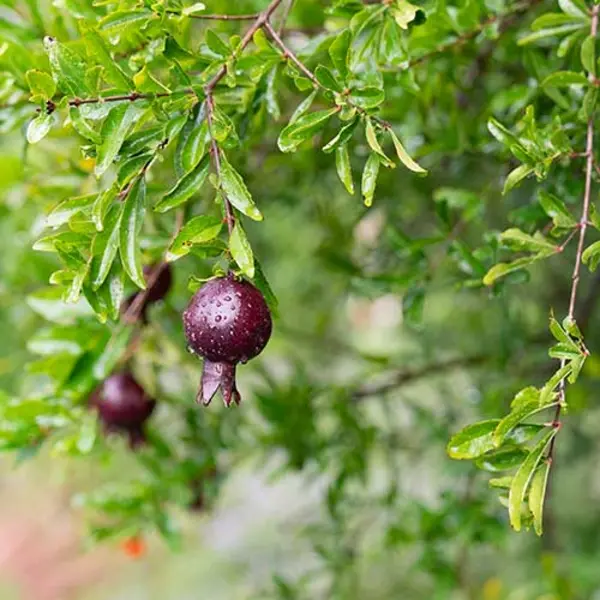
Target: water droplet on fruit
{"type": "Point", "coordinates": [227, 298]}
{"type": "Point", "coordinates": [218, 318]}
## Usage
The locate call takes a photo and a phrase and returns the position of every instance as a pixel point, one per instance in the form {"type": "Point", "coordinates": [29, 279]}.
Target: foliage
{"type": "Point", "coordinates": [163, 131]}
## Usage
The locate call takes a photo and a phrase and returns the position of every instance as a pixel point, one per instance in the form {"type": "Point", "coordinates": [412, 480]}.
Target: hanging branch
{"type": "Point", "coordinates": [259, 22]}
{"type": "Point", "coordinates": [582, 227]}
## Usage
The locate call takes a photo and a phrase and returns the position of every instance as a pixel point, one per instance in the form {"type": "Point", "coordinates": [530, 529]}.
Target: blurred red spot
{"type": "Point", "coordinates": [134, 547]}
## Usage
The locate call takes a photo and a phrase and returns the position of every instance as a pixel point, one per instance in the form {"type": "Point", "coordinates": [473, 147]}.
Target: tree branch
{"type": "Point", "coordinates": [582, 226]}
{"type": "Point", "coordinates": [410, 375]}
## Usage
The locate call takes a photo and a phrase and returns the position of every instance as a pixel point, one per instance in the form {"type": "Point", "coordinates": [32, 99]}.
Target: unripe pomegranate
{"type": "Point", "coordinates": [227, 322]}
{"type": "Point", "coordinates": [123, 406]}
{"type": "Point", "coordinates": [156, 292]}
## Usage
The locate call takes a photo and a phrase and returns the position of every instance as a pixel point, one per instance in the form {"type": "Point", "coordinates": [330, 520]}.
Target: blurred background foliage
{"type": "Point", "coordinates": [332, 479]}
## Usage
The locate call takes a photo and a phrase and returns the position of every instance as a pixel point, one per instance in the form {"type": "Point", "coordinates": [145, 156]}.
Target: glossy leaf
{"type": "Point", "coordinates": [198, 230]}
{"type": "Point", "coordinates": [344, 170]}
{"type": "Point", "coordinates": [537, 494]}
{"type": "Point", "coordinates": [235, 190]}
{"type": "Point", "coordinates": [41, 85]}
{"type": "Point", "coordinates": [115, 128]}
{"type": "Point", "coordinates": [473, 441]}
{"type": "Point", "coordinates": [404, 157]}
{"type": "Point", "coordinates": [523, 477]}
{"type": "Point", "coordinates": [39, 128]}
{"type": "Point", "coordinates": [132, 219]}
{"type": "Point", "coordinates": [303, 129]}
{"type": "Point", "coordinates": [185, 188]}
{"type": "Point", "coordinates": [68, 68]}
{"type": "Point", "coordinates": [105, 247]}
{"type": "Point", "coordinates": [369, 179]}
{"type": "Point", "coordinates": [241, 251]}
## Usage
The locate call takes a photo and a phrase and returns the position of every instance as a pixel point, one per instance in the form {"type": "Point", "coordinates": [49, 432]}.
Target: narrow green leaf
{"type": "Point", "coordinates": [118, 20]}
{"type": "Point", "coordinates": [303, 129]}
{"type": "Point", "coordinates": [100, 53]}
{"type": "Point", "coordinates": [404, 157]}
{"type": "Point", "coordinates": [523, 477]}
{"type": "Point", "coordinates": [197, 230]}
{"type": "Point", "coordinates": [327, 79]}
{"type": "Point", "coordinates": [550, 32]}
{"type": "Point", "coordinates": [101, 206]}
{"type": "Point", "coordinates": [565, 79]}
{"type": "Point", "coordinates": [216, 44]}
{"type": "Point", "coordinates": [68, 68]}
{"type": "Point", "coordinates": [342, 138]}
{"type": "Point", "coordinates": [575, 8]}
{"type": "Point", "coordinates": [588, 54]}
{"type": "Point", "coordinates": [338, 52]}
{"type": "Point", "coordinates": [537, 494]}
{"type": "Point", "coordinates": [367, 97]}
{"type": "Point", "coordinates": [472, 441]}
{"type": "Point", "coordinates": [556, 210]}
{"type": "Point", "coordinates": [66, 209]}
{"type": "Point", "coordinates": [591, 256]}
{"type": "Point", "coordinates": [303, 107]}
{"type": "Point", "coordinates": [41, 85]}
{"type": "Point", "coordinates": [516, 176]}
{"type": "Point", "coordinates": [185, 188]}
{"type": "Point", "coordinates": [131, 223]}
{"type": "Point", "coordinates": [105, 247]}
{"type": "Point", "coordinates": [235, 190]}
{"type": "Point", "coordinates": [369, 178]}
{"type": "Point", "coordinates": [241, 251]}
{"type": "Point", "coordinates": [115, 128]}
{"type": "Point", "coordinates": [527, 404]}
{"type": "Point", "coordinates": [344, 170]}
{"type": "Point", "coordinates": [131, 168]}
{"type": "Point", "coordinates": [374, 143]}
{"type": "Point", "coordinates": [39, 127]}
{"type": "Point", "coordinates": [503, 269]}
{"type": "Point", "coordinates": [519, 240]}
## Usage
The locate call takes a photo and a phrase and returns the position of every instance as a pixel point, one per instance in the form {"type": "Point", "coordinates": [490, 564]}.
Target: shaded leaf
{"type": "Point", "coordinates": [132, 219]}
{"type": "Point", "coordinates": [241, 251]}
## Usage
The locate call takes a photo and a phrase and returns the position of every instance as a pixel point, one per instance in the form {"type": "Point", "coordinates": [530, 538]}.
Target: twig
{"type": "Point", "coordinates": [209, 17]}
{"type": "Point", "coordinates": [583, 223]}
{"type": "Point", "coordinates": [284, 17]}
{"type": "Point", "coordinates": [209, 88]}
{"type": "Point", "coordinates": [410, 375]}
{"type": "Point", "coordinates": [287, 53]}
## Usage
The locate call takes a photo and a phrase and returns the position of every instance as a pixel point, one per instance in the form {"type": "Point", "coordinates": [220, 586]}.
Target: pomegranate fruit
{"type": "Point", "coordinates": [123, 406]}
{"type": "Point", "coordinates": [226, 322]}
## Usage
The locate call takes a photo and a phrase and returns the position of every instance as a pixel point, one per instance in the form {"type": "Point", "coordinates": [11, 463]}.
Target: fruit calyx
{"type": "Point", "coordinates": [227, 321]}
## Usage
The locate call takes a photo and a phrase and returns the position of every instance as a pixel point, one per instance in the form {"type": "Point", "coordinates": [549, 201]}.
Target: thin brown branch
{"type": "Point", "coordinates": [209, 88]}
{"type": "Point", "coordinates": [410, 375]}
{"type": "Point", "coordinates": [583, 224]}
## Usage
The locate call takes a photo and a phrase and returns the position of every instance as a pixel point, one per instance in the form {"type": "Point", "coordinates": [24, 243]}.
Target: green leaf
{"type": "Point", "coordinates": [216, 44]}
{"type": "Point", "coordinates": [550, 32]}
{"type": "Point", "coordinates": [39, 127]}
{"type": "Point", "coordinates": [115, 128]}
{"type": "Point", "coordinates": [132, 168]}
{"type": "Point", "coordinates": [556, 210]}
{"type": "Point", "coordinates": [303, 107]}
{"type": "Point", "coordinates": [131, 223]}
{"type": "Point", "coordinates": [344, 170]}
{"type": "Point", "coordinates": [343, 136]}
{"type": "Point", "coordinates": [101, 206]}
{"type": "Point", "coordinates": [404, 157]}
{"type": "Point", "coordinates": [338, 52]}
{"type": "Point", "coordinates": [369, 178]}
{"type": "Point", "coordinates": [537, 494]}
{"type": "Point", "coordinates": [591, 256]}
{"type": "Point", "coordinates": [503, 269]}
{"type": "Point", "coordinates": [588, 54]}
{"type": "Point", "coordinates": [523, 477]}
{"type": "Point", "coordinates": [519, 240]}
{"type": "Point", "coordinates": [145, 82]}
{"type": "Point", "coordinates": [327, 79]}
{"type": "Point", "coordinates": [194, 8]}
{"type": "Point", "coordinates": [197, 230]}
{"type": "Point", "coordinates": [118, 20]}
{"type": "Point", "coordinates": [235, 190]}
{"type": "Point", "coordinates": [185, 188]}
{"type": "Point", "coordinates": [575, 8]}
{"type": "Point", "coordinates": [105, 247]}
{"type": "Point", "coordinates": [41, 85]}
{"type": "Point", "coordinates": [565, 79]}
{"type": "Point", "coordinates": [525, 404]}
{"type": "Point", "coordinates": [66, 209]}
{"type": "Point", "coordinates": [100, 53]}
{"type": "Point", "coordinates": [303, 129]}
{"type": "Point", "coordinates": [504, 459]}
{"type": "Point", "coordinates": [374, 143]}
{"type": "Point", "coordinates": [68, 68]}
{"type": "Point", "coordinates": [473, 441]}
{"type": "Point", "coordinates": [241, 251]}
{"type": "Point", "coordinates": [367, 97]}
{"type": "Point", "coordinates": [516, 176]}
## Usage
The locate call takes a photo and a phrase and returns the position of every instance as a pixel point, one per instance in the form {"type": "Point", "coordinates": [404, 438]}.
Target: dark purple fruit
{"type": "Point", "coordinates": [156, 292]}
{"type": "Point", "coordinates": [227, 322]}
{"type": "Point", "coordinates": [123, 406]}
